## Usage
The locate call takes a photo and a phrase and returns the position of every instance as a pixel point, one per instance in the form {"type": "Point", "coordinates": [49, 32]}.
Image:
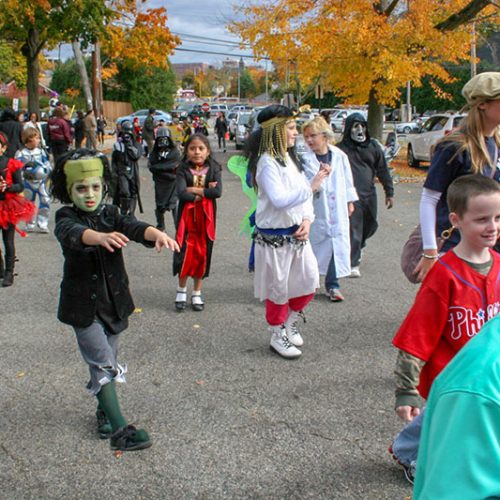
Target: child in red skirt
{"type": "Point", "coordinates": [13, 208]}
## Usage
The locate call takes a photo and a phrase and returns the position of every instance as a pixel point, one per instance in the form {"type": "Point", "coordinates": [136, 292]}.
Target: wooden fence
{"type": "Point", "coordinates": [114, 109]}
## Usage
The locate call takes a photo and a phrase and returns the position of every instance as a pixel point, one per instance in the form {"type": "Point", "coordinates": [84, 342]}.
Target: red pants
{"type": "Point", "coordinates": [276, 314]}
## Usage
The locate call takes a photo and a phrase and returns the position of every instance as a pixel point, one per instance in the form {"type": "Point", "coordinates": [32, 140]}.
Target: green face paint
{"type": "Point", "coordinates": [86, 194]}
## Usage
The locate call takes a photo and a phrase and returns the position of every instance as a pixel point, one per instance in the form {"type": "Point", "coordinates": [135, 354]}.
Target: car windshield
{"type": "Point", "coordinates": [244, 118]}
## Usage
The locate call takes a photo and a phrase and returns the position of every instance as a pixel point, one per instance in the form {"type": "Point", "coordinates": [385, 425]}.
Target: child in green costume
{"type": "Point", "coordinates": [95, 298]}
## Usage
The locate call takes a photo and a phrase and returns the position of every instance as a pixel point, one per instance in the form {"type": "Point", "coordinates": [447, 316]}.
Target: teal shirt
{"type": "Point", "coordinates": [459, 455]}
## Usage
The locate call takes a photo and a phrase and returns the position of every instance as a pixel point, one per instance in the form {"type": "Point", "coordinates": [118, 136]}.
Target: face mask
{"type": "Point", "coordinates": [163, 142]}
{"type": "Point", "coordinates": [86, 194]}
{"type": "Point", "coordinates": [358, 132]}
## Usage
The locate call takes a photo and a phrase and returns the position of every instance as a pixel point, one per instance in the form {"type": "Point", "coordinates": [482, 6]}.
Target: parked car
{"type": "Point", "coordinates": [241, 107]}
{"type": "Point", "coordinates": [241, 131]}
{"type": "Point", "coordinates": [300, 145]}
{"type": "Point", "coordinates": [142, 114]}
{"type": "Point", "coordinates": [231, 123]}
{"type": "Point", "coordinates": [420, 144]}
{"type": "Point", "coordinates": [240, 119]}
{"type": "Point", "coordinates": [407, 127]}
{"type": "Point", "coordinates": [337, 118]}
{"type": "Point", "coordinates": [190, 111]}
{"type": "Point", "coordinates": [218, 108]}
{"type": "Point", "coordinates": [253, 124]}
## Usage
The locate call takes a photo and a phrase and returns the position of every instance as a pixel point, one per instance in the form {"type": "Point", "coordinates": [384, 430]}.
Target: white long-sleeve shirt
{"type": "Point", "coordinates": [284, 196]}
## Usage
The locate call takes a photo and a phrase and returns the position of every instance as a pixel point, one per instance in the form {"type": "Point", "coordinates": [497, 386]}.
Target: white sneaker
{"type": "Point", "coordinates": [30, 228]}
{"type": "Point", "coordinates": [292, 331]}
{"type": "Point", "coordinates": [355, 273]}
{"type": "Point", "coordinates": [281, 345]}
{"type": "Point", "coordinates": [44, 230]}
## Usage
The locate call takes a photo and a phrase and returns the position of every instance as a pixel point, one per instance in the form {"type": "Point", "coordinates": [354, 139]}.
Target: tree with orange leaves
{"type": "Point", "coordinates": [364, 50]}
{"type": "Point", "coordinates": [136, 37]}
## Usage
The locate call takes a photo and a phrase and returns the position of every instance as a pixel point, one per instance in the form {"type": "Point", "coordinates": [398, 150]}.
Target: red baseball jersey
{"type": "Point", "coordinates": [453, 303]}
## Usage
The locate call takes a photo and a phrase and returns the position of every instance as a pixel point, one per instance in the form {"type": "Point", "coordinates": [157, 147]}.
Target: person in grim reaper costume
{"type": "Point", "coordinates": [367, 162]}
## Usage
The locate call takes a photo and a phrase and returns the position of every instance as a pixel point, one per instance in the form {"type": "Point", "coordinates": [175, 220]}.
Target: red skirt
{"type": "Point", "coordinates": [14, 209]}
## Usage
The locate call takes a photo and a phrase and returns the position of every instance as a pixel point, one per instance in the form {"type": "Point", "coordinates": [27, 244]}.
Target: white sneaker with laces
{"type": "Point", "coordinates": [292, 331]}
{"type": "Point", "coordinates": [355, 273]}
{"type": "Point", "coordinates": [280, 343]}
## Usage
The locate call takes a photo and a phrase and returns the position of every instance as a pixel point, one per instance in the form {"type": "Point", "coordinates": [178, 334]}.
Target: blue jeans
{"type": "Point", "coordinates": [331, 280]}
{"type": "Point", "coordinates": [406, 443]}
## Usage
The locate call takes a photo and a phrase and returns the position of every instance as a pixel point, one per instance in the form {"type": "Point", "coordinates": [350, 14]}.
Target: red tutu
{"type": "Point", "coordinates": [14, 209]}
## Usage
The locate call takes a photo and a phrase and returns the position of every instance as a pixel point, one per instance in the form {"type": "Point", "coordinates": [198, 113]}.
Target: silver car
{"type": "Point", "coordinates": [420, 145]}
{"type": "Point", "coordinates": [407, 127]}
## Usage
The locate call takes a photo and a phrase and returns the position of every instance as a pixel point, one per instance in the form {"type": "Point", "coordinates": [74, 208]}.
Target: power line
{"type": "Point", "coordinates": [221, 44]}
{"type": "Point", "coordinates": [209, 38]}
{"type": "Point", "coordinates": [245, 56]}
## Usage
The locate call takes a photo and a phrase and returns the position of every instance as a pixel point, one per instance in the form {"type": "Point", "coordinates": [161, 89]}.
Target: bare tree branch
{"type": "Point", "coordinates": [463, 16]}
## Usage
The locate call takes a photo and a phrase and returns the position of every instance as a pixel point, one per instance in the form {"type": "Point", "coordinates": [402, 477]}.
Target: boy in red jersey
{"type": "Point", "coordinates": [458, 296]}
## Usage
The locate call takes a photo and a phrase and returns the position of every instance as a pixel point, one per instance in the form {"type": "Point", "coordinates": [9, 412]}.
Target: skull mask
{"type": "Point", "coordinates": [358, 132]}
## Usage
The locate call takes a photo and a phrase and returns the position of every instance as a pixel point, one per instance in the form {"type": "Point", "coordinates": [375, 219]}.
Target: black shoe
{"type": "Point", "coordinates": [197, 307]}
{"type": "Point", "coordinates": [180, 305]}
{"type": "Point", "coordinates": [8, 279]}
{"type": "Point", "coordinates": [130, 439]}
{"type": "Point", "coordinates": [104, 428]}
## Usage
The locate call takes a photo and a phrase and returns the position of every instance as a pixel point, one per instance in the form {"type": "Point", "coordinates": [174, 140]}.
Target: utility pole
{"type": "Point", "coordinates": [473, 67]}
{"type": "Point", "coordinates": [267, 84]}
{"type": "Point", "coordinates": [240, 68]}
{"type": "Point", "coordinates": [97, 80]}
{"type": "Point", "coordinates": [408, 101]}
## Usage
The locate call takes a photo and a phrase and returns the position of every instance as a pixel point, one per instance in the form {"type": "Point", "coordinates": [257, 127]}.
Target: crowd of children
{"type": "Point", "coordinates": [304, 227]}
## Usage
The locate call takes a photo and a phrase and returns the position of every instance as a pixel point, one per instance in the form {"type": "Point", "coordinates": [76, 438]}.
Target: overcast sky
{"type": "Point", "coordinates": [207, 18]}
{"type": "Point", "coordinates": [202, 18]}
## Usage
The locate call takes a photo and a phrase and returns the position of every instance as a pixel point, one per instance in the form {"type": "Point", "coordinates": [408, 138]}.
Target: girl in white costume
{"type": "Point", "coordinates": [333, 205]}
{"type": "Point", "coordinates": [286, 271]}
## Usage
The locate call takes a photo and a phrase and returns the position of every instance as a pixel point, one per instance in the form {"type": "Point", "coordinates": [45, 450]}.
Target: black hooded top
{"type": "Point", "coordinates": [13, 130]}
{"type": "Point", "coordinates": [367, 160]}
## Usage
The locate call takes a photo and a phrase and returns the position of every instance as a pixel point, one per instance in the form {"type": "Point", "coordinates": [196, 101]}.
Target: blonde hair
{"type": "Point", "coordinates": [29, 133]}
{"type": "Point", "coordinates": [469, 136]}
{"type": "Point", "coordinates": [319, 126]}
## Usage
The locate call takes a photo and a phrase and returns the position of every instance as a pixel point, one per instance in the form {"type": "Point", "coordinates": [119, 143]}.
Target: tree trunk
{"type": "Point", "coordinates": [30, 51]}
{"type": "Point", "coordinates": [80, 62]}
{"type": "Point", "coordinates": [375, 117]}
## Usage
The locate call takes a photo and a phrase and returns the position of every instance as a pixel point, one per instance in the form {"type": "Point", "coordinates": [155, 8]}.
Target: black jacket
{"type": "Point", "coordinates": [13, 130]}
{"type": "Point", "coordinates": [91, 273]}
{"type": "Point", "coordinates": [162, 163]}
{"type": "Point", "coordinates": [367, 161]}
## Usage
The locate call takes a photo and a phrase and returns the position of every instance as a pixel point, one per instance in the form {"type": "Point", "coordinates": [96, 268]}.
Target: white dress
{"type": "Point", "coordinates": [330, 230]}
{"type": "Point", "coordinates": [284, 199]}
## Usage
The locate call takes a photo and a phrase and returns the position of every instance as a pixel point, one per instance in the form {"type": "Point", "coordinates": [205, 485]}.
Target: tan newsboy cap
{"type": "Point", "coordinates": [483, 87]}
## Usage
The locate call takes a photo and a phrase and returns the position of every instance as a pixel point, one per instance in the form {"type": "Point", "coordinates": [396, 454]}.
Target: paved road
{"type": "Point", "coordinates": [229, 419]}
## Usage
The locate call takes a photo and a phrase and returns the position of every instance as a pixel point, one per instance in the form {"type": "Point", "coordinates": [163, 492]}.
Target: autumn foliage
{"type": "Point", "coordinates": [137, 38]}
{"type": "Point", "coordinates": [358, 48]}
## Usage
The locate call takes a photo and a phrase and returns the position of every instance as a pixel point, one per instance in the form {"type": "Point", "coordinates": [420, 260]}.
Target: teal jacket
{"type": "Point", "coordinates": [459, 455]}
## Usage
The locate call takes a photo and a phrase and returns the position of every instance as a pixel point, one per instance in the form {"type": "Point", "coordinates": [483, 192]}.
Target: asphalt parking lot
{"type": "Point", "coordinates": [228, 418]}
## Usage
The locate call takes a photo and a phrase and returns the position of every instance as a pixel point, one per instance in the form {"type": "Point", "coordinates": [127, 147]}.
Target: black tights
{"type": "Point", "coordinates": [8, 243]}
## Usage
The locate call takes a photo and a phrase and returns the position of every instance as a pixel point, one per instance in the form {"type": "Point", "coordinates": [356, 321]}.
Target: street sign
{"type": "Point", "coordinates": [318, 92]}
{"type": "Point", "coordinates": [205, 107]}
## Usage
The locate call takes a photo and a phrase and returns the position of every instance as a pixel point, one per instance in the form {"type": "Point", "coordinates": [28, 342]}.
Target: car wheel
{"type": "Point", "coordinates": [412, 161]}
{"type": "Point", "coordinates": [406, 130]}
